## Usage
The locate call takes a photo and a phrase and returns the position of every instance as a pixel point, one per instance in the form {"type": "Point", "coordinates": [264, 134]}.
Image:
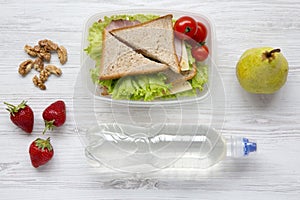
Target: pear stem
{"type": "Point", "coordinates": [270, 55]}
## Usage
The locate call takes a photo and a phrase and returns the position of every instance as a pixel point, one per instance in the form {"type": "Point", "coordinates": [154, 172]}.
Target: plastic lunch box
{"type": "Point", "coordinates": [87, 63]}
{"type": "Point", "coordinates": [92, 110]}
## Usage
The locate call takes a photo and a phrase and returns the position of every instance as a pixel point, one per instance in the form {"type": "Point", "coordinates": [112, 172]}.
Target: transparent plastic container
{"type": "Point", "coordinates": [92, 111]}
{"type": "Point", "coordinates": [87, 63]}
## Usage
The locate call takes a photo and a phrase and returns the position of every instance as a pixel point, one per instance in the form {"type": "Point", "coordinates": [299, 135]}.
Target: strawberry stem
{"type": "Point", "coordinates": [42, 144]}
{"type": "Point", "coordinates": [14, 109]}
{"type": "Point", "coordinates": [48, 126]}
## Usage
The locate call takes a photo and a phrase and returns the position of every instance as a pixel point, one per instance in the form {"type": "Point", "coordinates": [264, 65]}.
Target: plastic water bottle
{"type": "Point", "coordinates": [145, 149]}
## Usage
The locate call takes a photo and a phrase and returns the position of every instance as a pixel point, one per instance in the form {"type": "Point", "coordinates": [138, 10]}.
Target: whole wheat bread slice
{"type": "Point", "coordinates": [154, 39]}
{"type": "Point", "coordinates": [119, 60]}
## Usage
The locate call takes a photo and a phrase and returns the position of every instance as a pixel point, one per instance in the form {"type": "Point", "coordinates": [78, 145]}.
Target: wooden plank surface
{"type": "Point", "coordinates": [273, 121]}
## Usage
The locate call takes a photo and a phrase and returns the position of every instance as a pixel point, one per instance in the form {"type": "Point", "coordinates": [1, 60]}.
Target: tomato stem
{"type": "Point", "coordinates": [202, 43]}
{"type": "Point", "coordinates": [187, 29]}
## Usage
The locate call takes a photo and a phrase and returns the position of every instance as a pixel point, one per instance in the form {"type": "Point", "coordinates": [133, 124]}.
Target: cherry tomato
{"type": "Point", "coordinates": [185, 27]}
{"type": "Point", "coordinates": [201, 33]}
{"type": "Point", "coordinates": [200, 53]}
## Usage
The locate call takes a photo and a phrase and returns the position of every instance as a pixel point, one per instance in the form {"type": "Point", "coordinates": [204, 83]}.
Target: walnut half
{"type": "Point", "coordinates": [44, 54]}
{"type": "Point", "coordinates": [62, 54]}
{"type": "Point", "coordinates": [37, 82]}
{"type": "Point", "coordinates": [53, 70]}
{"type": "Point", "coordinates": [38, 64]}
{"type": "Point", "coordinates": [25, 67]}
{"type": "Point", "coordinates": [48, 45]}
{"type": "Point", "coordinates": [30, 50]}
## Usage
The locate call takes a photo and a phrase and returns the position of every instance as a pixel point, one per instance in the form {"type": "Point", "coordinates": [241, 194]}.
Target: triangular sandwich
{"type": "Point", "coordinates": [154, 39]}
{"type": "Point", "coordinates": [120, 60]}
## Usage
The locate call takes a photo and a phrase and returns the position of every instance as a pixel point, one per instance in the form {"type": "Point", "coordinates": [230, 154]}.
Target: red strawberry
{"type": "Point", "coordinates": [54, 115]}
{"type": "Point", "coordinates": [40, 151]}
{"type": "Point", "coordinates": [21, 115]}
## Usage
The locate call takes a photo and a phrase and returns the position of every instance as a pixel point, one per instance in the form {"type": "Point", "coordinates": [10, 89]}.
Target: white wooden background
{"type": "Point", "coordinates": [273, 173]}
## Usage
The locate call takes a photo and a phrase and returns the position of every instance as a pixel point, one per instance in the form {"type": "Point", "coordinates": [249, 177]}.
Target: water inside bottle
{"type": "Point", "coordinates": [145, 149]}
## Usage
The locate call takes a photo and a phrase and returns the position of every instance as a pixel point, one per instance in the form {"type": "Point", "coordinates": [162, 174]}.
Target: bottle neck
{"type": "Point", "coordinates": [239, 146]}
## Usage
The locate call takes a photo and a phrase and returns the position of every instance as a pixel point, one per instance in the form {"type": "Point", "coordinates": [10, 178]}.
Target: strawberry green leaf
{"type": "Point", "coordinates": [43, 144]}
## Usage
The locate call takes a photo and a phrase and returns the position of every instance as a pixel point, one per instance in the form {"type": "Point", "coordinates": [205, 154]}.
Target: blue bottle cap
{"type": "Point", "coordinates": [249, 146]}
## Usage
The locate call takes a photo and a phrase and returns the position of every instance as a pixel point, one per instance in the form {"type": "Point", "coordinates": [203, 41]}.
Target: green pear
{"type": "Point", "coordinates": [262, 70]}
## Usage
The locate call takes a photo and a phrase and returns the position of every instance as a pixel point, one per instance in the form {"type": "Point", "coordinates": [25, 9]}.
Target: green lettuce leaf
{"type": "Point", "coordinates": [141, 87]}
{"type": "Point", "coordinates": [108, 84]}
{"type": "Point", "coordinates": [201, 77]}
{"type": "Point", "coordinates": [94, 50]}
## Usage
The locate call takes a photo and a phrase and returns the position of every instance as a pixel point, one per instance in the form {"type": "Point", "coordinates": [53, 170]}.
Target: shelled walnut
{"type": "Point", "coordinates": [42, 52]}
{"type": "Point", "coordinates": [48, 45]}
{"type": "Point", "coordinates": [38, 64]}
{"type": "Point", "coordinates": [52, 69]}
{"type": "Point", "coordinates": [30, 50]}
{"type": "Point", "coordinates": [37, 82]}
{"type": "Point", "coordinates": [38, 51]}
{"type": "Point", "coordinates": [44, 75]}
{"type": "Point", "coordinates": [62, 54]}
{"type": "Point", "coordinates": [48, 70]}
{"type": "Point", "coordinates": [25, 67]}
{"type": "Point", "coordinates": [44, 48]}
